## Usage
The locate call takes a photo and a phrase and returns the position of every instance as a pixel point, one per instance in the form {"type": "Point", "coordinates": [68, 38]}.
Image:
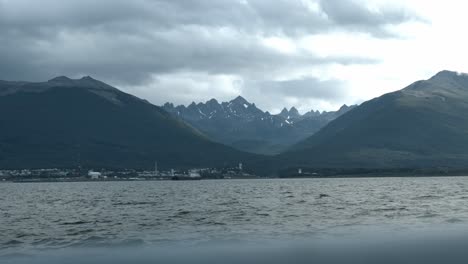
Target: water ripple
{"type": "Point", "coordinates": [87, 214]}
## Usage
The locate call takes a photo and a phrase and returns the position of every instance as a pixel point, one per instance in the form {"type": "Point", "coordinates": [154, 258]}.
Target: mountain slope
{"type": "Point", "coordinates": [65, 122]}
{"type": "Point", "coordinates": [423, 125]}
{"type": "Point", "coordinates": [242, 125]}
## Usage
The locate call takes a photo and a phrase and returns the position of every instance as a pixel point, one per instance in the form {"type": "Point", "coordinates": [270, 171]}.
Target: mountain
{"type": "Point", "coordinates": [424, 125]}
{"type": "Point", "coordinates": [241, 124]}
{"type": "Point", "coordinates": [66, 123]}
{"type": "Point", "coordinates": [292, 113]}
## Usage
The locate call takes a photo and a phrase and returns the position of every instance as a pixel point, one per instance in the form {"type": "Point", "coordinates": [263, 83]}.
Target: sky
{"type": "Point", "coordinates": [311, 54]}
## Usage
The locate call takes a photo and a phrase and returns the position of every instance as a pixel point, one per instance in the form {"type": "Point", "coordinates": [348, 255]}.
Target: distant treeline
{"type": "Point", "coordinates": [369, 172]}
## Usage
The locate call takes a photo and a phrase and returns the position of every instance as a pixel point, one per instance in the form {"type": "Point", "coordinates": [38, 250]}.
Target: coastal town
{"type": "Point", "coordinates": [79, 174]}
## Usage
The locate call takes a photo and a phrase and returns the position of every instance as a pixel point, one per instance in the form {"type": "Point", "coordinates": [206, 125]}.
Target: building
{"type": "Point", "coordinates": [194, 173]}
{"type": "Point", "coordinates": [94, 175]}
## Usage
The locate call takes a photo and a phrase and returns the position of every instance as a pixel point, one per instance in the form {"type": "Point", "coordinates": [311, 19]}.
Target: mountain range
{"type": "Point", "coordinates": [70, 122]}
{"type": "Point", "coordinates": [242, 125]}
{"type": "Point", "coordinates": [67, 123]}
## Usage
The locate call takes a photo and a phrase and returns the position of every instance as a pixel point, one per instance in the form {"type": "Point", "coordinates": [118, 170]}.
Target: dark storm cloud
{"type": "Point", "coordinates": [161, 35]}
{"type": "Point", "coordinates": [130, 42]}
{"type": "Point", "coordinates": [355, 16]}
{"type": "Point", "coordinates": [351, 13]}
{"type": "Point", "coordinates": [264, 16]}
{"type": "Point", "coordinates": [132, 58]}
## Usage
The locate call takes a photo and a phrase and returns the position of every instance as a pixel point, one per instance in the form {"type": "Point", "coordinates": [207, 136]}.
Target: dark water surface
{"type": "Point", "coordinates": [38, 216]}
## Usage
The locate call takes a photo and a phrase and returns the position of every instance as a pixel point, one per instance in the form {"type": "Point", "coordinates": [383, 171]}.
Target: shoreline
{"type": "Point", "coordinates": [234, 178]}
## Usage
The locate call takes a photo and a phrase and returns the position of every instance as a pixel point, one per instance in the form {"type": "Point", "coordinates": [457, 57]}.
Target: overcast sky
{"type": "Point", "coordinates": [312, 54]}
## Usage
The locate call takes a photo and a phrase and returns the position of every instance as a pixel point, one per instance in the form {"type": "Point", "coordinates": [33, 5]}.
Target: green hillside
{"type": "Point", "coordinates": [424, 125]}
{"type": "Point", "coordinates": [65, 123]}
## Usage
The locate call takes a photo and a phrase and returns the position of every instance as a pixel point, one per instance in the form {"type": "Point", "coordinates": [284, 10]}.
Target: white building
{"type": "Point", "coordinates": [194, 173]}
{"type": "Point", "coordinates": [94, 175]}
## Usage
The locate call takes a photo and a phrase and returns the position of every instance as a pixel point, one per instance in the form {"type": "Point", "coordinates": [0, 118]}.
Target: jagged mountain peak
{"type": "Point", "coordinates": [239, 107]}
{"type": "Point", "coordinates": [291, 113]}
{"type": "Point", "coordinates": [294, 112]}
{"type": "Point", "coordinates": [240, 100]}
{"type": "Point", "coordinates": [284, 113]}
{"type": "Point", "coordinates": [241, 124]}
{"type": "Point", "coordinates": [212, 101]}
{"type": "Point", "coordinates": [343, 107]}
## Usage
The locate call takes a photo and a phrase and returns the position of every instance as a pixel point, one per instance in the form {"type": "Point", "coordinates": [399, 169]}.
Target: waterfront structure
{"type": "Point", "coordinates": [94, 175]}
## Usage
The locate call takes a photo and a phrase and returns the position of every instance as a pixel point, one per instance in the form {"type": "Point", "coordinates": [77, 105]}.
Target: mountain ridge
{"type": "Point", "coordinates": [49, 124]}
{"type": "Point", "coordinates": [422, 125]}
{"type": "Point", "coordinates": [243, 125]}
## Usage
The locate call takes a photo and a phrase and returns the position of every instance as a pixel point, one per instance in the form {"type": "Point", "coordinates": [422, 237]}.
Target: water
{"type": "Point", "coordinates": [44, 216]}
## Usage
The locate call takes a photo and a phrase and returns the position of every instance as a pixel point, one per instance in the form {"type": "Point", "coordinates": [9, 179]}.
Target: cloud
{"type": "Point", "coordinates": [357, 16]}
{"type": "Point", "coordinates": [254, 16]}
{"type": "Point", "coordinates": [180, 88]}
{"type": "Point", "coordinates": [134, 43]}
{"type": "Point", "coordinates": [305, 88]}
{"type": "Point", "coordinates": [305, 93]}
